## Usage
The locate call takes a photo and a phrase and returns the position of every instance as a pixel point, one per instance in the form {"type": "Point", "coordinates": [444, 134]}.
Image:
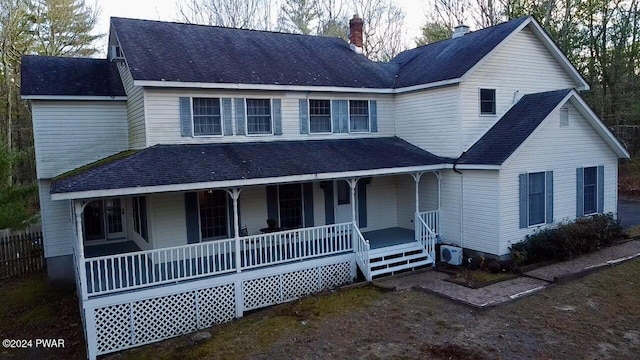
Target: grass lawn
{"type": "Point", "coordinates": [591, 318]}
{"type": "Point", "coordinates": [31, 309]}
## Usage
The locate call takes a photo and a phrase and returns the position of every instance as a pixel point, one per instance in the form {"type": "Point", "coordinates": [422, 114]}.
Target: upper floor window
{"type": "Point", "coordinates": [259, 116]}
{"type": "Point", "coordinates": [487, 101]}
{"type": "Point", "coordinates": [206, 117]}
{"type": "Point", "coordinates": [319, 116]}
{"type": "Point", "coordinates": [590, 190]}
{"type": "Point", "coordinates": [358, 116]}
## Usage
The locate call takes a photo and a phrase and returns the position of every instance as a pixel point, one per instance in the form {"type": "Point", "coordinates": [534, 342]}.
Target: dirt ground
{"type": "Point", "coordinates": [596, 317]}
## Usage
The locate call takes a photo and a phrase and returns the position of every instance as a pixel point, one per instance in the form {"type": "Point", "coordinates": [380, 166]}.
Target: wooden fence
{"type": "Point", "coordinates": [21, 254]}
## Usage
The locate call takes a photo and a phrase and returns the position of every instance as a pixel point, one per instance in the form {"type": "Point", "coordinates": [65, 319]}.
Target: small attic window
{"type": "Point", "coordinates": [487, 101]}
{"type": "Point", "coordinates": [564, 117]}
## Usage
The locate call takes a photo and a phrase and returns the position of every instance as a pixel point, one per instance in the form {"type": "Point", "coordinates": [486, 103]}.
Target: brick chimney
{"type": "Point", "coordinates": [355, 33]}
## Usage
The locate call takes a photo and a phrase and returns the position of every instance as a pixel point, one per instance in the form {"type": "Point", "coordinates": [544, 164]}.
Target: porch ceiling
{"type": "Point", "coordinates": [184, 167]}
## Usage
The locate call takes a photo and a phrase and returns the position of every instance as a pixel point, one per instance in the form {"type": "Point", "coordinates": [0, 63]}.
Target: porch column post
{"type": "Point", "coordinates": [353, 182]}
{"type": "Point", "coordinates": [416, 178]}
{"type": "Point", "coordinates": [235, 195]}
{"type": "Point", "coordinates": [439, 177]}
{"type": "Point", "coordinates": [78, 208]}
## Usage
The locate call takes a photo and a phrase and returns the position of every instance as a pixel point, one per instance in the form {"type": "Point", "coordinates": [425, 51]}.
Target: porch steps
{"type": "Point", "coordinates": [388, 260]}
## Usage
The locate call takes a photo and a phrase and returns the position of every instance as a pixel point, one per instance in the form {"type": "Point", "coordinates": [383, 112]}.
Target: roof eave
{"type": "Point", "coordinates": [74, 97]}
{"type": "Point", "coordinates": [243, 182]}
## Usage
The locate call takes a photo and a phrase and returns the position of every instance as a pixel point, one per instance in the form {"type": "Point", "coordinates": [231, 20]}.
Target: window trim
{"type": "Point", "coordinates": [368, 117]}
{"type": "Point", "coordinates": [246, 116]}
{"type": "Point", "coordinates": [229, 225]}
{"type": "Point", "coordinates": [309, 117]}
{"type": "Point", "coordinates": [544, 200]}
{"type": "Point", "coordinates": [495, 101]}
{"type": "Point", "coordinates": [302, 217]}
{"type": "Point", "coordinates": [193, 124]}
{"type": "Point", "coordinates": [595, 192]}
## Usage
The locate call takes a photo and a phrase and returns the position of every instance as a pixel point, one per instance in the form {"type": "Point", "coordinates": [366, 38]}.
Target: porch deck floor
{"type": "Point", "coordinates": [121, 247]}
{"type": "Point", "coordinates": [389, 237]}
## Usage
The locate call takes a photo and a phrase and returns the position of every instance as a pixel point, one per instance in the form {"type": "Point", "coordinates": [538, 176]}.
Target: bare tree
{"type": "Point", "coordinates": [332, 18]}
{"type": "Point", "coordinates": [487, 13]}
{"type": "Point", "coordinates": [246, 14]}
{"type": "Point", "coordinates": [297, 16]}
{"type": "Point", "coordinates": [383, 27]}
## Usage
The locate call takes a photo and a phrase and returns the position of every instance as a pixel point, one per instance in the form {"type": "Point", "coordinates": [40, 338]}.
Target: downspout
{"type": "Point", "coordinates": [455, 164]}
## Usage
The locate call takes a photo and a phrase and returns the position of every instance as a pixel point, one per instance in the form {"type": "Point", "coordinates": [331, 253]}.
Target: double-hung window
{"type": "Point", "coordinates": [213, 214]}
{"type": "Point", "coordinates": [290, 205]}
{"type": "Point", "coordinates": [590, 190]}
{"type": "Point", "coordinates": [319, 116]}
{"type": "Point", "coordinates": [536, 198]}
{"type": "Point", "coordinates": [206, 117]}
{"type": "Point", "coordinates": [139, 205]}
{"type": "Point", "coordinates": [259, 119]}
{"type": "Point", "coordinates": [359, 116]}
{"type": "Point", "coordinates": [487, 101]}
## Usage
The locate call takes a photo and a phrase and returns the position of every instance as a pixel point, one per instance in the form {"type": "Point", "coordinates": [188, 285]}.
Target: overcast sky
{"type": "Point", "coordinates": [166, 10]}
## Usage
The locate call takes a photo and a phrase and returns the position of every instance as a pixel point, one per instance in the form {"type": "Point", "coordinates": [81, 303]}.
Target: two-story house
{"type": "Point", "coordinates": [200, 171]}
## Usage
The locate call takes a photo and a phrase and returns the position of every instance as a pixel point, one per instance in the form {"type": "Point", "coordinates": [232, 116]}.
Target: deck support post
{"type": "Point", "coordinates": [235, 195]}
{"type": "Point", "coordinates": [78, 209]}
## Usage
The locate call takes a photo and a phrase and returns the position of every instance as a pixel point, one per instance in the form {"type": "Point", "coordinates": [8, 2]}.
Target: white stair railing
{"type": "Point", "coordinates": [432, 219]}
{"type": "Point", "coordinates": [361, 247]}
{"type": "Point", "coordinates": [425, 236]}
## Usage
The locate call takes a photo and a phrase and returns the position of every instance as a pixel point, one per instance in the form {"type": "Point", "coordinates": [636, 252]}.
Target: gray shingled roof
{"type": "Point", "coordinates": [452, 58]}
{"type": "Point", "coordinates": [167, 51]}
{"type": "Point", "coordinates": [513, 128]}
{"type": "Point", "coordinates": [66, 76]}
{"type": "Point", "coordinates": [184, 164]}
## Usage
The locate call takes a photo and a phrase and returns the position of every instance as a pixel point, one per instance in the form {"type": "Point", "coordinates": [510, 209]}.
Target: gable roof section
{"type": "Point", "coordinates": [47, 76]}
{"type": "Point", "coordinates": [517, 124]}
{"type": "Point", "coordinates": [452, 58]}
{"type": "Point", "coordinates": [182, 166]}
{"type": "Point", "coordinates": [175, 52]}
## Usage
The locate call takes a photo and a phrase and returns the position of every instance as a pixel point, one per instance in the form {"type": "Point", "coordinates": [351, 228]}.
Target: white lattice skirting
{"type": "Point", "coordinates": [149, 316]}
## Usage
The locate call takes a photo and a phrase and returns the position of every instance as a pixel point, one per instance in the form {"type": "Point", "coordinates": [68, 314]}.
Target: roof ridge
{"type": "Point", "coordinates": [224, 27]}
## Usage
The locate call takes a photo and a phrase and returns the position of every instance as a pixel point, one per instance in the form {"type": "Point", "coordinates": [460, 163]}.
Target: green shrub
{"type": "Point", "coordinates": [568, 240]}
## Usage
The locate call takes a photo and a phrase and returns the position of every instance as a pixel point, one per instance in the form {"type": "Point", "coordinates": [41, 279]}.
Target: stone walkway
{"type": "Point", "coordinates": [504, 291]}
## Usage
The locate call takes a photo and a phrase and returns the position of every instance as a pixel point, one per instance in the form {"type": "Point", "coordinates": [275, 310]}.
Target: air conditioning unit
{"type": "Point", "coordinates": [451, 254]}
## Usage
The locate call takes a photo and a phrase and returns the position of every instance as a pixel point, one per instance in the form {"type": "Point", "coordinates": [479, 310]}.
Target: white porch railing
{"type": "Point", "coordinates": [432, 219]}
{"type": "Point", "coordinates": [362, 248]}
{"type": "Point", "coordinates": [299, 244]}
{"type": "Point", "coordinates": [129, 271]}
{"type": "Point", "coordinates": [425, 236]}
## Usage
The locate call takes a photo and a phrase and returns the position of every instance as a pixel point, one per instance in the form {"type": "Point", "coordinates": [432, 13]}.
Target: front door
{"type": "Point", "coordinates": [342, 202]}
{"type": "Point", "coordinates": [94, 221]}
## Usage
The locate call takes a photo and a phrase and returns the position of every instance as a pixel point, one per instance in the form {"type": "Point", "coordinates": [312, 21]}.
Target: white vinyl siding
{"type": "Point", "coordinates": [70, 134]}
{"type": "Point", "coordinates": [522, 64]}
{"type": "Point", "coordinates": [406, 197]}
{"type": "Point", "coordinates": [430, 120]}
{"type": "Point", "coordinates": [548, 150]}
{"type": "Point", "coordinates": [163, 115]}
{"type": "Point", "coordinates": [57, 223]}
{"type": "Point", "coordinates": [450, 213]}
{"type": "Point", "coordinates": [168, 219]}
{"type": "Point", "coordinates": [480, 210]}
{"type": "Point", "coordinates": [135, 109]}
{"type": "Point", "coordinates": [382, 210]}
